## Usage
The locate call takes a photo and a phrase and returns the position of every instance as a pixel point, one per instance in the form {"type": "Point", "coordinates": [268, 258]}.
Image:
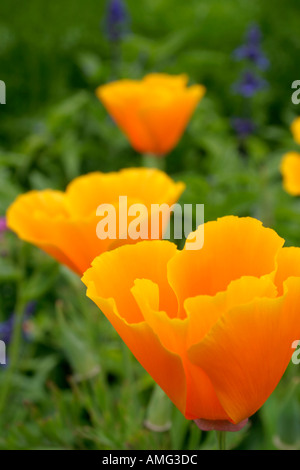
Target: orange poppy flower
{"type": "Point", "coordinates": [213, 327]}
{"type": "Point", "coordinates": [64, 224]}
{"type": "Point", "coordinates": [153, 112]}
{"type": "Point", "coordinates": [290, 170]}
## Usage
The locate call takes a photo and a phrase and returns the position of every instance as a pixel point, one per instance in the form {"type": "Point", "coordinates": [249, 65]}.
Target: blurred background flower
{"type": "Point", "coordinates": [290, 170]}
{"type": "Point", "coordinates": [251, 50]}
{"type": "Point", "coordinates": [243, 126]}
{"type": "Point", "coordinates": [64, 224]}
{"type": "Point", "coordinates": [7, 326]}
{"type": "Point", "coordinates": [250, 82]}
{"type": "Point", "coordinates": [116, 23]}
{"type": "Point", "coordinates": [295, 128]}
{"type": "Point", "coordinates": [3, 226]}
{"type": "Point", "coordinates": [153, 112]}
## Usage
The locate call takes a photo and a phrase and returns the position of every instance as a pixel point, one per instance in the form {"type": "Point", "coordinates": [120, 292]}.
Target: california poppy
{"type": "Point", "coordinates": [64, 224]}
{"type": "Point", "coordinates": [152, 112]}
{"type": "Point", "coordinates": [290, 170]}
{"type": "Point", "coordinates": [213, 327]}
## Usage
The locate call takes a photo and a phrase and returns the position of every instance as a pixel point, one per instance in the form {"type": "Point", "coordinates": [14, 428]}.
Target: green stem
{"type": "Point", "coordinates": [149, 160]}
{"type": "Point", "coordinates": [221, 438]}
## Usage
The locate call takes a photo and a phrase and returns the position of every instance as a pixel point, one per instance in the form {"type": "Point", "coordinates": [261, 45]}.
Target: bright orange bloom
{"type": "Point", "coordinates": [290, 169]}
{"type": "Point", "coordinates": [213, 327]}
{"type": "Point", "coordinates": [63, 224]}
{"type": "Point", "coordinates": [295, 128]}
{"type": "Point", "coordinates": [152, 112]}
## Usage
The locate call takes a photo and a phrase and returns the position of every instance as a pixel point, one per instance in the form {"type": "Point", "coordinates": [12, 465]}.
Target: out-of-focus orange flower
{"type": "Point", "coordinates": [290, 170]}
{"type": "Point", "coordinates": [63, 224]}
{"type": "Point", "coordinates": [295, 128]}
{"type": "Point", "coordinates": [213, 327]}
{"type": "Point", "coordinates": [152, 112]}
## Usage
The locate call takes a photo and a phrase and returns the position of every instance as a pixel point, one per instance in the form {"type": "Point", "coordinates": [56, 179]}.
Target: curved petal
{"type": "Point", "coordinates": [167, 118]}
{"type": "Point", "coordinates": [232, 249]}
{"type": "Point", "coordinates": [165, 367]}
{"type": "Point", "coordinates": [246, 353]}
{"type": "Point", "coordinates": [122, 101]}
{"type": "Point", "coordinates": [288, 265]}
{"type": "Point", "coordinates": [43, 219]}
{"type": "Point", "coordinates": [117, 270]}
{"type": "Point", "coordinates": [165, 80]}
{"type": "Point", "coordinates": [65, 224]}
{"type": "Point", "coordinates": [153, 112]}
{"type": "Point", "coordinates": [201, 398]}
{"type": "Point", "coordinates": [145, 185]}
{"type": "Point", "coordinates": [204, 311]}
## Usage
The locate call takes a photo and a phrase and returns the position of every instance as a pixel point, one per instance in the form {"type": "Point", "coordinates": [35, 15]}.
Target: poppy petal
{"type": "Point", "coordinates": [211, 269]}
{"type": "Point", "coordinates": [246, 353]}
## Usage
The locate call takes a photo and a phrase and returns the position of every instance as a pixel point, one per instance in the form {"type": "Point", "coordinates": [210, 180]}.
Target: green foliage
{"type": "Point", "coordinates": [74, 384]}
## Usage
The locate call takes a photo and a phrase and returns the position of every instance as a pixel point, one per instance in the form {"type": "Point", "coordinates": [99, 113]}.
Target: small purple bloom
{"type": "Point", "coordinates": [249, 84]}
{"type": "Point", "coordinates": [116, 20]}
{"type": "Point", "coordinates": [253, 34]}
{"type": "Point", "coordinates": [3, 225]}
{"type": "Point", "coordinates": [7, 327]}
{"type": "Point", "coordinates": [253, 54]}
{"type": "Point", "coordinates": [243, 126]}
{"type": "Point", "coordinates": [251, 49]}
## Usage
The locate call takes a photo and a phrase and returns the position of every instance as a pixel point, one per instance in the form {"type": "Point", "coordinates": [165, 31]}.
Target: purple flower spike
{"type": "Point", "coordinates": [116, 21]}
{"type": "Point", "coordinates": [253, 54]}
{"type": "Point", "coordinates": [7, 327]}
{"type": "Point", "coordinates": [251, 49]}
{"type": "Point", "coordinates": [243, 126]}
{"type": "Point", "coordinates": [249, 84]}
{"type": "Point", "coordinates": [254, 35]}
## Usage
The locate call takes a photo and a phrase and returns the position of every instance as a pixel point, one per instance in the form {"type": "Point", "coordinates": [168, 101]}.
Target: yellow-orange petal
{"type": "Point", "coordinates": [122, 101]}
{"type": "Point", "coordinates": [64, 224]}
{"type": "Point", "coordinates": [177, 335]}
{"type": "Point", "coordinates": [165, 367]}
{"type": "Point", "coordinates": [288, 265]}
{"type": "Point", "coordinates": [144, 185]}
{"type": "Point", "coordinates": [152, 112]}
{"type": "Point", "coordinates": [232, 249]}
{"type": "Point", "coordinates": [290, 170]}
{"type": "Point", "coordinates": [165, 80]}
{"type": "Point", "coordinates": [117, 270]}
{"type": "Point", "coordinates": [204, 311]}
{"type": "Point", "coordinates": [248, 350]}
{"type": "Point", "coordinates": [295, 128]}
{"type": "Point", "coordinates": [167, 119]}
{"type": "Point", "coordinates": [201, 399]}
